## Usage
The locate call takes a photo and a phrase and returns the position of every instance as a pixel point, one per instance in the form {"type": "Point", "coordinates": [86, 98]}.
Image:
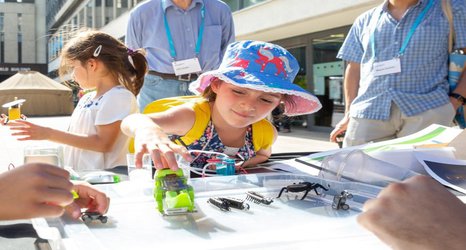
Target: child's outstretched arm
{"type": "Point", "coordinates": [34, 190]}
{"type": "Point", "coordinates": [150, 135]}
{"type": "Point", "coordinates": [261, 156]}
{"type": "Point", "coordinates": [102, 141]}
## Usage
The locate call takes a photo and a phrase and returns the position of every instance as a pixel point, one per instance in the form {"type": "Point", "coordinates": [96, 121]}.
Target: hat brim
{"type": "Point", "coordinates": [302, 102]}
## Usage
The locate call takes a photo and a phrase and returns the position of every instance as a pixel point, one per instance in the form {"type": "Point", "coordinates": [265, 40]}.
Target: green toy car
{"type": "Point", "coordinates": [172, 193]}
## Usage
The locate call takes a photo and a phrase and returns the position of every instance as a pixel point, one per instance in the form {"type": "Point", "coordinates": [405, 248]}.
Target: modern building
{"type": "Point", "coordinates": [313, 30]}
{"type": "Point", "coordinates": [23, 37]}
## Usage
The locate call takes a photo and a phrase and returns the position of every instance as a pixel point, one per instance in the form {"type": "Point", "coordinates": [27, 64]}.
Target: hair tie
{"type": "Point", "coordinates": [130, 51]}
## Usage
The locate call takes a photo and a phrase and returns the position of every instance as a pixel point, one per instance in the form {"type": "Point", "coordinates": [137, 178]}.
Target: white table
{"type": "Point", "coordinates": [288, 223]}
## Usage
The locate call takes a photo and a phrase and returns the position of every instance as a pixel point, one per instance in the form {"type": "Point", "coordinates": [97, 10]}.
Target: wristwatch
{"type": "Point", "coordinates": [458, 97]}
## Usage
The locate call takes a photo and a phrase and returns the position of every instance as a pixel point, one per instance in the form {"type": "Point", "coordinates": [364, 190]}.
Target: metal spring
{"type": "Point", "coordinates": [258, 198]}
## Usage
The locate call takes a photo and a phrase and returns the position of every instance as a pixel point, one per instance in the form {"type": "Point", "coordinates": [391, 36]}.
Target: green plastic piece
{"type": "Point", "coordinates": [116, 179]}
{"type": "Point", "coordinates": [172, 193]}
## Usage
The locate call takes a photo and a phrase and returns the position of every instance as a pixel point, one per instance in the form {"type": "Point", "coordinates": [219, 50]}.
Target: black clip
{"type": "Point", "coordinates": [235, 203]}
{"type": "Point", "coordinates": [219, 204]}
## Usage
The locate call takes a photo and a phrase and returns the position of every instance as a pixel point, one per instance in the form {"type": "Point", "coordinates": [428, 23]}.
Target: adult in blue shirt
{"type": "Point", "coordinates": [396, 77]}
{"type": "Point", "coordinates": [182, 39]}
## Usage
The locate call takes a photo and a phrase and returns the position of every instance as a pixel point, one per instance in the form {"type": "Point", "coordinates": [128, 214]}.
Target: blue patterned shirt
{"type": "Point", "coordinates": [146, 29]}
{"type": "Point", "coordinates": [422, 83]}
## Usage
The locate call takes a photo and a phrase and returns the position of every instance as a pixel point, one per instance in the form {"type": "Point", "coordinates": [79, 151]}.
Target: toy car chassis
{"type": "Point", "coordinates": [172, 193]}
{"type": "Point", "coordinates": [91, 216]}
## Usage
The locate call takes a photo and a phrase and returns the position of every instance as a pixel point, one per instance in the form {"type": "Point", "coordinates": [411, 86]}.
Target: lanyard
{"type": "Point", "coordinates": [410, 33]}
{"type": "Point", "coordinates": [169, 34]}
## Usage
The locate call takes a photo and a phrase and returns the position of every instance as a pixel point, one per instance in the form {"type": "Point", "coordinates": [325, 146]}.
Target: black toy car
{"type": "Point", "coordinates": [339, 200]}
{"type": "Point", "coordinates": [91, 216]}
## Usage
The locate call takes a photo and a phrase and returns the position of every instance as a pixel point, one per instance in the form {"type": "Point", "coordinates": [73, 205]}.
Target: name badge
{"type": "Point", "coordinates": [386, 67]}
{"type": "Point", "coordinates": [187, 66]}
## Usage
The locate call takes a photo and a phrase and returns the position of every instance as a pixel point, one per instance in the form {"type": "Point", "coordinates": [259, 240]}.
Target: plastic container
{"type": "Point", "coordinates": [358, 166]}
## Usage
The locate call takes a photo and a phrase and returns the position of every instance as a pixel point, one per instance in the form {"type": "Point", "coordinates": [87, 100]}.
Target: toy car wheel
{"type": "Point", "coordinates": [349, 196]}
{"type": "Point", "coordinates": [86, 218]}
{"type": "Point", "coordinates": [103, 219]}
{"type": "Point", "coordinates": [345, 207]}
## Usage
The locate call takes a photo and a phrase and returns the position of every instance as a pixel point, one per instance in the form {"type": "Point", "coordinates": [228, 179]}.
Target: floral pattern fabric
{"type": "Point", "coordinates": [210, 141]}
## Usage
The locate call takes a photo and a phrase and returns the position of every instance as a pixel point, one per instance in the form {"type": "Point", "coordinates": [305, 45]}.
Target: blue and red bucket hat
{"type": "Point", "coordinates": [265, 67]}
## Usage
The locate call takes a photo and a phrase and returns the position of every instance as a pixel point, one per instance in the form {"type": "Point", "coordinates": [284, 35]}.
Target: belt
{"type": "Point", "coordinates": [185, 78]}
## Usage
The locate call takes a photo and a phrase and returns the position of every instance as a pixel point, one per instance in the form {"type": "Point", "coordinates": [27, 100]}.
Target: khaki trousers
{"type": "Point", "coordinates": [361, 131]}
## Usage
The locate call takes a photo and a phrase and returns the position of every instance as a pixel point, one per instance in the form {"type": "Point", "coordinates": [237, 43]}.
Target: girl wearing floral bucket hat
{"type": "Point", "coordinates": [229, 116]}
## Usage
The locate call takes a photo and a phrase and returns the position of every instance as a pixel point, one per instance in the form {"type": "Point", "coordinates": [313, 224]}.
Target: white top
{"type": "Point", "coordinates": [90, 112]}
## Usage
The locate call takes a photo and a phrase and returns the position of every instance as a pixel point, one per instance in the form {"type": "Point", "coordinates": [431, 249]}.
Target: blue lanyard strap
{"type": "Point", "coordinates": [413, 28]}
{"type": "Point", "coordinates": [169, 34]}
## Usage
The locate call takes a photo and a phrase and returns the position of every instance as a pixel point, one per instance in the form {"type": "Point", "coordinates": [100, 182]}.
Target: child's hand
{"type": "Point", "coordinates": [161, 149]}
{"type": "Point", "coordinates": [25, 130]}
{"type": "Point", "coordinates": [90, 198]}
{"type": "Point", "coordinates": [3, 119]}
{"type": "Point", "coordinates": [34, 190]}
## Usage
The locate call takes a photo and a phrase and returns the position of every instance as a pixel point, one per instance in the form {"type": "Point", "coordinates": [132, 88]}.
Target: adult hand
{"type": "Point", "coordinates": [161, 149]}
{"type": "Point", "coordinates": [34, 190]}
{"type": "Point", "coordinates": [418, 213]}
{"type": "Point", "coordinates": [25, 130]}
{"type": "Point", "coordinates": [90, 198]}
{"type": "Point", "coordinates": [340, 128]}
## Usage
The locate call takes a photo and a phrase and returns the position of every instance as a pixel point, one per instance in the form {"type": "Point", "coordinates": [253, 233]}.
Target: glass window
{"type": "Point", "coordinates": [300, 54]}
{"type": "Point", "coordinates": [74, 22]}
{"type": "Point", "coordinates": [20, 20]}
{"type": "Point", "coordinates": [234, 4]}
{"type": "Point", "coordinates": [82, 20]}
{"type": "Point", "coordinates": [2, 47]}
{"type": "Point", "coordinates": [247, 3]}
{"type": "Point", "coordinates": [98, 14]}
{"type": "Point", "coordinates": [328, 78]}
{"type": "Point", "coordinates": [20, 48]}
{"type": "Point", "coordinates": [108, 11]}
{"type": "Point", "coordinates": [89, 12]}
{"type": "Point", "coordinates": [122, 6]}
{"type": "Point", "coordinates": [122, 3]}
{"type": "Point", "coordinates": [1, 21]}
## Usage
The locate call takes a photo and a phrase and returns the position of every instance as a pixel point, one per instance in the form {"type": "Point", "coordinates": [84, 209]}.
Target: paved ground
{"type": "Point", "coordinates": [303, 140]}
{"type": "Point", "coordinates": [298, 140]}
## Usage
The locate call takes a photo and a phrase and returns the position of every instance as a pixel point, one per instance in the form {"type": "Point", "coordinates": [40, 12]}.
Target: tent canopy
{"type": "Point", "coordinates": [44, 96]}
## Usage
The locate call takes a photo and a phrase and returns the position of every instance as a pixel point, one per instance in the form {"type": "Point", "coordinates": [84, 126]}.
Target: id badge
{"type": "Point", "coordinates": [387, 67]}
{"type": "Point", "coordinates": [187, 66]}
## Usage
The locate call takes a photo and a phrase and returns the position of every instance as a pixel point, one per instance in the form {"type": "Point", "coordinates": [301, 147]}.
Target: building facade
{"type": "Point", "coordinates": [313, 30]}
{"type": "Point", "coordinates": [23, 37]}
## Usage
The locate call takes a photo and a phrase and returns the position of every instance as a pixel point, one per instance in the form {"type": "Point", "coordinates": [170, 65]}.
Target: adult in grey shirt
{"type": "Point", "coordinates": [182, 38]}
